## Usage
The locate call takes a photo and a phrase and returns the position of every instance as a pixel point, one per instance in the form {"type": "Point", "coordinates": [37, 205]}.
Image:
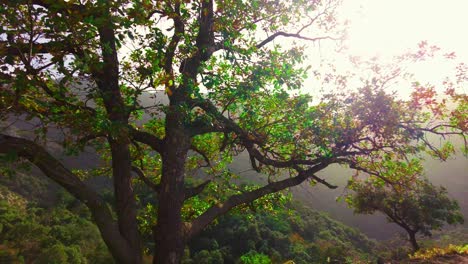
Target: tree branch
{"type": "Point", "coordinates": [322, 181]}
{"type": "Point", "coordinates": [149, 139]}
{"type": "Point", "coordinates": [203, 154]}
{"type": "Point", "coordinates": [216, 210]}
{"type": "Point", "coordinates": [249, 140]}
{"type": "Point", "coordinates": [35, 48]}
{"type": "Point", "coordinates": [148, 182]}
{"type": "Point", "coordinates": [59, 5]}
{"type": "Point", "coordinates": [191, 192]}
{"type": "Point", "coordinates": [291, 35]}
{"type": "Point", "coordinates": [204, 42]}
{"type": "Point", "coordinates": [178, 32]}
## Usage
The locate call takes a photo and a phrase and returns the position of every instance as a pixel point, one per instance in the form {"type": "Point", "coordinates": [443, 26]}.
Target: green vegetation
{"type": "Point", "coordinates": [431, 253]}
{"type": "Point", "coordinates": [48, 235]}
{"type": "Point", "coordinates": [63, 233]}
{"type": "Point", "coordinates": [301, 235]}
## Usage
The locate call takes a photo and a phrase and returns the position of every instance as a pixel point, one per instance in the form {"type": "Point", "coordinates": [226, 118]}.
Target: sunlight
{"type": "Point", "coordinates": [383, 29]}
{"type": "Point", "coordinates": [386, 28]}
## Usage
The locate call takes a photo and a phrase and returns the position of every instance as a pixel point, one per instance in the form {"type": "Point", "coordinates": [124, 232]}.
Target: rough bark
{"type": "Point", "coordinates": [107, 80]}
{"type": "Point", "coordinates": [169, 232]}
{"type": "Point", "coordinates": [125, 198]}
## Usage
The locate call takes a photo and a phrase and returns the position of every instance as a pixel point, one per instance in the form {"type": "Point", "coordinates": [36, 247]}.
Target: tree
{"type": "Point", "coordinates": [413, 202]}
{"type": "Point", "coordinates": [79, 71]}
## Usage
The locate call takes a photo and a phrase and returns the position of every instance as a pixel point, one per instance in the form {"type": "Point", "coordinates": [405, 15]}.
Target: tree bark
{"type": "Point", "coordinates": [169, 231]}
{"type": "Point", "coordinates": [125, 198]}
{"type": "Point", "coordinates": [107, 80]}
{"type": "Point", "coordinates": [412, 239]}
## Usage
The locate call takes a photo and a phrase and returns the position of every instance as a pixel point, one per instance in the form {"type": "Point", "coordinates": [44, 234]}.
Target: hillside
{"type": "Point", "coordinates": [63, 233]}
{"type": "Point", "coordinates": [301, 235]}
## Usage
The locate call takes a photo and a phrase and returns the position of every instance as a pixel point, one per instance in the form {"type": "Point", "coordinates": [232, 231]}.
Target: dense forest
{"type": "Point", "coordinates": [168, 132]}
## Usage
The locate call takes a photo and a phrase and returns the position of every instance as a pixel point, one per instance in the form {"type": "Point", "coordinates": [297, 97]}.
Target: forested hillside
{"type": "Point", "coordinates": [39, 230]}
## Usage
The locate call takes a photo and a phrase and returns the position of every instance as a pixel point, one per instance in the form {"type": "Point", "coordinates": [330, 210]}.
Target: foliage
{"type": "Point", "coordinates": [254, 258]}
{"type": "Point", "coordinates": [455, 235]}
{"type": "Point", "coordinates": [431, 253]}
{"type": "Point", "coordinates": [57, 235]}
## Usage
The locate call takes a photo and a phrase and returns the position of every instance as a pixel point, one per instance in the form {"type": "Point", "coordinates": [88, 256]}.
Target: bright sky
{"type": "Point", "coordinates": [382, 27]}
{"type": "Point", "coordinates": [386, 28]}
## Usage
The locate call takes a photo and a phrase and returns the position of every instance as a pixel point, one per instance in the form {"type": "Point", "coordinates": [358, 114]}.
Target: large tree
{"type": "Point", "coordinates": [81, 70]}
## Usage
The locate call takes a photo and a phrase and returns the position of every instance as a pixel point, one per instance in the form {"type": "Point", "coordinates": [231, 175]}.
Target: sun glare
{"type": "Point", "coordinates": [384, 29]}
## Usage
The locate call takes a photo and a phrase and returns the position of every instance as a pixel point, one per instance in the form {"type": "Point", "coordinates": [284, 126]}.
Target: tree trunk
{"type": "Point", "coordinates": [169, 233]}
{"type": "Point", "coordinates": [412, 239]}
{"type": "Point", "coordinates": [125, 198]}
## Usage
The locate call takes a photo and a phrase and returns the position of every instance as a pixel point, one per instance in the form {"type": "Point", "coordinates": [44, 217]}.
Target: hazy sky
{"type": "Point", "coordinates": [386, 28]}
{"type": "Point", "coordinates": [382, 27]}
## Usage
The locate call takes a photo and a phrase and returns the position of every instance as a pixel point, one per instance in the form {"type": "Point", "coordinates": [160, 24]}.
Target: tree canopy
{"type": "Point", "coordinates": [79, 71]}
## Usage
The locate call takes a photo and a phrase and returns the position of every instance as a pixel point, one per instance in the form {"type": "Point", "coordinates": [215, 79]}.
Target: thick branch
{"type": "Point", "coordinates": [191, 192]}
{"type": "Point", "coordinates": [221, 208]}
{"type": "Point", "coordinates": [178, 32]}
{"type": "Point", "coordinates": [35, 48]}
{"type": "Point", "coordinates": [148, 182]}
{"type": "Point", "coordinates": [107, 80]}
{"type": "Point", "coordinates": [205, 37]}
{"type": "Point", "coordinates": [204, 42]}
{"type": "Point", "coordinates": [149, 139]}
{"type": "Point", "coordinates": [54, 170]}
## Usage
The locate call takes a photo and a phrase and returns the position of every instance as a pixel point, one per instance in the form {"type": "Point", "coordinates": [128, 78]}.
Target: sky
{"type": "Point", "coordinates": [386, 28]}
{"type": "Point", "coordinates": [382, 27]}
